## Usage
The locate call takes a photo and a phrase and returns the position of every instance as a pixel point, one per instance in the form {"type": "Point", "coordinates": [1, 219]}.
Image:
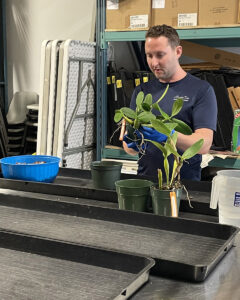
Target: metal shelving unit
{"type": "Point", "coordinates": [3, 58]}
{"type": "Point", "coordinates": [214, 37]}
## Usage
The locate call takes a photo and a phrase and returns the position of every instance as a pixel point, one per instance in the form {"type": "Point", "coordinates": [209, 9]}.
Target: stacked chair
{"type": "Point", "coordinates": [3, 136]}
{"type": "Point", "coordinates": [17, 122]}
{"type": "Point", "coordinates": [29, 142]}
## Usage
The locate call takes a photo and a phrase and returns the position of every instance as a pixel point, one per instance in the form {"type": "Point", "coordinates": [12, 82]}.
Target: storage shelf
{"type": "Point", "coordinates": [226, 36]}
{"type": "Point", "coordinates": [220, 36]}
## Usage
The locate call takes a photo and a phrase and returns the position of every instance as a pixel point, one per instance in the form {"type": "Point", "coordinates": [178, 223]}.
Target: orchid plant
{"type": "Point", "coordinates": [165, 124]}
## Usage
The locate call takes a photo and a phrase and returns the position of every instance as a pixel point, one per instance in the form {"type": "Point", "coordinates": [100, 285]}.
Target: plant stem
{"type": "Point", "coordinates": [164, 93]}
{"type": "Point", "coordinates": [160, 183]}
{"type": "Point", "coordinates": [178, 162]}
{"type": "Point", "coordinates": [128, 120]}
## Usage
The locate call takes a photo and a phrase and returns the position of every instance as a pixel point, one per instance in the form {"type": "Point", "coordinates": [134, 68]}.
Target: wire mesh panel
{"type": "Point", "coordinates": [71, 103]}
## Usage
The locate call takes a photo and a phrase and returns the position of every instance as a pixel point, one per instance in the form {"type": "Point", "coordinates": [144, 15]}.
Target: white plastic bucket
{"type": "Point", "coordinates": [226, 194]}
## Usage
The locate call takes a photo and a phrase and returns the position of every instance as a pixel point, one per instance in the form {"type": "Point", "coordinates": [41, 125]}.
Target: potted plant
{"type": "Point", "coordinates": [166, 196]}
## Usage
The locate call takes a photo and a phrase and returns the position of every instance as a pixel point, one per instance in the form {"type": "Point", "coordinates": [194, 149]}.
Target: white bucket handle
{"type": "Point", "coordinates": [215, 191]}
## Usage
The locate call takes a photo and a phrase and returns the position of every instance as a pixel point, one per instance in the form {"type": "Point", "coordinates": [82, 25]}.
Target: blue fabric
{"type": "Point", "coordinates": [199, 111]}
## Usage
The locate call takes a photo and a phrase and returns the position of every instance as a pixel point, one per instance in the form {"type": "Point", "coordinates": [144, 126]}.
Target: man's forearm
{"type": "Point", "coordinates": [185, 141]}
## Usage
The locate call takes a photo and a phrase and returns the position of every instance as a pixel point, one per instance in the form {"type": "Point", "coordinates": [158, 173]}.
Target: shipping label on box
{"type": "Point", "coordinates": [185, 20]}
{"type": "Point", "coordinates": [158, 3]}
{"type": "Point", "coordinates": [139, 21]}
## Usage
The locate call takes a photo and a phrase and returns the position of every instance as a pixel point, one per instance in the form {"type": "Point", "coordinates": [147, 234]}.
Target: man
{"type": "Point", "coordinates": [163, 50]}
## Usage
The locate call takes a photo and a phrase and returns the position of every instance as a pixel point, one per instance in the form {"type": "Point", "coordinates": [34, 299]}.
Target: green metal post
{"type": "Point", "coordinates": [101, 71]}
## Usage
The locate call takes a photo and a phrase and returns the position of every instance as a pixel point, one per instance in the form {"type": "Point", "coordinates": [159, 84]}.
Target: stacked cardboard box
{"type": "Point", "coordinates": [128, 14]}
{"type": "Point", "coordinates": [218, 12]}
{"type": "Point", "coordinates": [234, 97]}
{"type": "Point", "coordinates": [175, 13]}
{"type": "Point", "coordinates": [141, 14]}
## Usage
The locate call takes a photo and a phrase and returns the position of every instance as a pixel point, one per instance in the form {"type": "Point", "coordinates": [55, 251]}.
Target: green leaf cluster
{"type": "Point", "coordinates": [142, 114]}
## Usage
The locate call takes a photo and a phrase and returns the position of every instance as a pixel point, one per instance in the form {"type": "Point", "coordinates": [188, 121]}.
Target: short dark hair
{"type": "Point", "coordinates": [164, 30]}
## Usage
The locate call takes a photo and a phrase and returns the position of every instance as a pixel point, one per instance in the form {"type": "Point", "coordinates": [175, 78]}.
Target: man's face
{"type": "Point", "coordinates": [162, 58]}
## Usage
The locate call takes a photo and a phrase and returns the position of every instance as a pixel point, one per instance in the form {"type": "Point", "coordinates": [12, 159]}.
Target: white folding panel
{"type": "Point", "coordinates": [52, 94]}
{"type": "Point", "coordinates": [74, 134]}
{"type": "Point", "coordinates": [44, 97]}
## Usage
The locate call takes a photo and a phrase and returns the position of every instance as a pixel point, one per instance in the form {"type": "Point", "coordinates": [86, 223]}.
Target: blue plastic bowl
{"type": "Point", "coordinates": [24, 167]}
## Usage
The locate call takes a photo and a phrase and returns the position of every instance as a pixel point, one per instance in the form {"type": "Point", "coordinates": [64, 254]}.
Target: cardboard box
{"type": "Point", "coordinates": [210, 54]}
{"type": "Point", "coordinates": [218, 12]}
{"type": "Point", "coordinates": [128, 14]}
{"type": "Point", "coordinates": [176, 13]}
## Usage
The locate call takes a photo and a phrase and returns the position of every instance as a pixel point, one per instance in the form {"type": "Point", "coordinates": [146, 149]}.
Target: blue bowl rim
{"type": "Point", "coordinates": [55, 160]}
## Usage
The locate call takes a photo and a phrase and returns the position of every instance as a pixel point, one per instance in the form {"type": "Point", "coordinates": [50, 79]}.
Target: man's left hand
{"type": "Point", "coordinates": [152, 134]}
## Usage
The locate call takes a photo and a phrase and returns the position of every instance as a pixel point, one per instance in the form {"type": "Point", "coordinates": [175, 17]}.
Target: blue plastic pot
{"type": "Point", "coordinates": [24, 167]}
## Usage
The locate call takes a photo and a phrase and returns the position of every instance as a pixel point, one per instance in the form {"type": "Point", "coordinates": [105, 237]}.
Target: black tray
{"type": "Point", "coordinates": [39, 268]}
{"type": "Point", "coordinates": [182, 248]}
{"type": "Point", "coordinates": [77, 183]}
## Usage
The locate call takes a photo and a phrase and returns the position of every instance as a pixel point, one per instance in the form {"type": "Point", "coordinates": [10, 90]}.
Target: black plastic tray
{"type": "Point", "coordinates": [182, 248]}
{"type": "Point", "coordinates": [77, 183]}
{"type": "Point", "coordinates": [39, 268]}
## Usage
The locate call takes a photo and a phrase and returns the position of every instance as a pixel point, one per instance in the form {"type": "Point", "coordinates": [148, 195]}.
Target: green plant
{"type": "Point", "coordinates": [164, 123]}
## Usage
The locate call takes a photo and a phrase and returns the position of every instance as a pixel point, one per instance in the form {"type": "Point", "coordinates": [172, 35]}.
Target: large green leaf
{"type": "Point", "coordinates": [182, 127]}
{"type": "Point", "coordinates": [177, 106]}
{"type": "Point", "coordinates": [156, 106]}
{"type": "Point", "coordinates": [148, 99]}
{"type": "Point", "coordinates": [174, 138]}
{"type": "Point", "coordinates": [139, 99]}
{"type": "Point", "coordinates": [170, 150]}
{"type": "Point", "coordinates": [159, 146]}
{"type": "Point", "coordinates": [161, 127]}
{"type": "Point", "coordinates": [146, 107]}
{"type": "Point", "coordinates": [193, 150]}
{"type": "Point", "coordinates": [146, 117]}
{"type": "Point", "coordinates": [118, 116]}
{"type": "Point", "coordinates": [164, 115]}
{"type": "Point", "coordinates": [128, 112]}
{"type": "Point", "coordinates": [171, 126]}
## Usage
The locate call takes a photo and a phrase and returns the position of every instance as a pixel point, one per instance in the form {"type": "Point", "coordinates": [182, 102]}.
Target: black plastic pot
{"type": "Point", "coordinates": [133, 194]}
{"type": "Point", "coordinates": [105, 173]}
{"type": "Point", "coordinates": [161, 201]}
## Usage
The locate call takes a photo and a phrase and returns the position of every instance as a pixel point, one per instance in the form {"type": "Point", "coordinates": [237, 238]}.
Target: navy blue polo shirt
{"type": "Point", "coordinates": [199, 111]}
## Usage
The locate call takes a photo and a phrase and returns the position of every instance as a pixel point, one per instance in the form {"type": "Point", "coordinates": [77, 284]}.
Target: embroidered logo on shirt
{"type": "Point", "coordinates": [184, 98]}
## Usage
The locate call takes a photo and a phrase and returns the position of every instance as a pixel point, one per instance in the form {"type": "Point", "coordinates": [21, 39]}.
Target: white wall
{"type": "Point", "coordinates": [29, 22]}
